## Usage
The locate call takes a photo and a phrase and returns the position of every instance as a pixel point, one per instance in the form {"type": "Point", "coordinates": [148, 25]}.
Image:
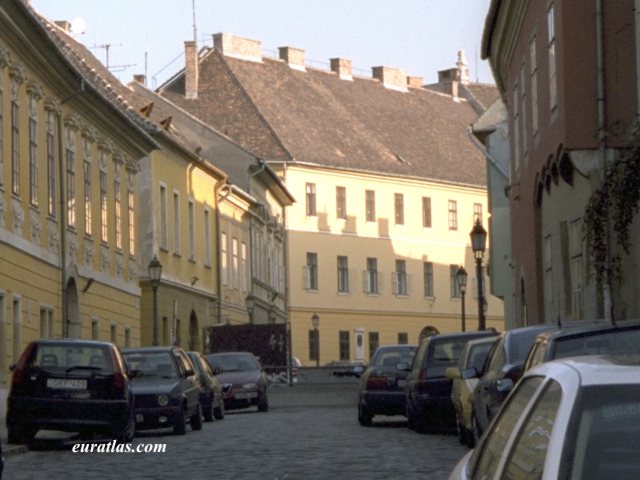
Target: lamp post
{"type": "Point", "coordinates": [155, 273]}
{"type": "Point", "coordinates": [478, 244]}
{"type": "Point", "coordinates": [315, 321]}
{"type": "Point", "coordinates": [250, 302]}
{"type": "Point", "coordinates": [461, 278]}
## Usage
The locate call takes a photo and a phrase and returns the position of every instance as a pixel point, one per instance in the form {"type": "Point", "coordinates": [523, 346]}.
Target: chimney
{"type": "Point", "coordinates": [238, 47]}
{"type": "Point", "coordinates": [63, 25]}
{"type": "Point", "coordinates": [415, 82]}
{"type": "Point", "coordinates": [342, 67]}
{"type": "Point", "coordinates": [140, 78]}
{"type": "Point", "coordinates": [293, 56]}
{"type": "Point", "coordinates": [191, 68]}
{"type": "Point", "coordinates": [391, 78]}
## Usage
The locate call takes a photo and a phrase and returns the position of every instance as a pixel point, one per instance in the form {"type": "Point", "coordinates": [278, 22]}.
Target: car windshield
{"type": "Point", "coordinates": [233, 363]}
{"type": "Point", "coordinates": [614, 341]}
{"type": "Point", "coordinates": [604, 434]}
{"type": "Point", "coordinates": [392, 356]}
{"type": "Point", "coordinates": [72, 358]}
{"type": "Point", "coordinates": [152, 364]}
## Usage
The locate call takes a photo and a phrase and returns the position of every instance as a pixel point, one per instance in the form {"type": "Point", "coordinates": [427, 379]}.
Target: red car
{"type": "Point", "coordinates": [243, 380]}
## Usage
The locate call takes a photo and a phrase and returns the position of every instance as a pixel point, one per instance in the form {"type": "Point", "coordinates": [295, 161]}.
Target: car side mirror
{"type": "Point", "coordinates": [403, 366]}
{"type": "Point", "coordinates": [452, 373]}
{"type": "Point", "coordinates": [12, 367]}
{"type": "Point", "coordinates": [135, 373]}
{"type": "Point", "coordinates": [468, 373]}
{"type": "Point", "coordinates": [504, 384]}
{"type": "Point", "coordinates": [189, 372]}
{"type": "Point", "coordinates": [217, 370]}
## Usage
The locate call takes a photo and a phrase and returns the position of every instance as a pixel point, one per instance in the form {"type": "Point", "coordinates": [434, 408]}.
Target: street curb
{"type": "Point", "coordinates": [13, 450]}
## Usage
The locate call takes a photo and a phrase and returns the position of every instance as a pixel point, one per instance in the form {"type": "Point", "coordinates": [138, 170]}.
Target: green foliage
{"type": "Point", "coordinates": [611, 210]}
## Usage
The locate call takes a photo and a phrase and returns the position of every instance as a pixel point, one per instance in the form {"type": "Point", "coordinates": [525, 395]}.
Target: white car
{"type": "Point", "coordinates": [576, 418]}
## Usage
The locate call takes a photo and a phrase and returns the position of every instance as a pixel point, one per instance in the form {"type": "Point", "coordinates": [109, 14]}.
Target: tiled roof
{"type": "Point", "coordinates": [315, 117]}
{"type": "Point", "coordinates": [484, 93]}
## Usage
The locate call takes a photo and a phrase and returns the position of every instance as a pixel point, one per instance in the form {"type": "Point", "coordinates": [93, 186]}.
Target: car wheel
{"type": "Point", "coordinates": [263, 404]}
{"type": "Point", "coordinates": [196, 419]}
{"type": "Point", "coordinates": [20, 435]}
{"type": "Point", "coordinates": [462, 433]}
{"type": "Point", "coordinates": [411, 422]}
{"type": "Point", "coordinates": [207, 412]}
{"type": "Point", "coordinates": [218, 412]}
{"type": "Point", "coordinates": [128, 432]}
{"type": "Point", "coordinates": [476, 432]}
{"type": "Point", "coordinates": [364, 416]}
{"type": "Point", "coordinates": [180, 428]}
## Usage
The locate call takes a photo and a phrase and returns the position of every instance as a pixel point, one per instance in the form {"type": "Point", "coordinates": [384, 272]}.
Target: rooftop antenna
{"type": "Point", "coordinates": [477, 79]}
{"type": "Point", "coordinates": [195, 30]}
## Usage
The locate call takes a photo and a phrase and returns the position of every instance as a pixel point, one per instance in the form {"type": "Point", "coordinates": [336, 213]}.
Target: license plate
{"type": "Point", "coordinates": [66, 384]}
{"type": "Point", "coordinates": [246, 395]}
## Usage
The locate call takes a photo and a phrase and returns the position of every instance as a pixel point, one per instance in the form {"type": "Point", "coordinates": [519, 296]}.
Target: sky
{"type": "Point", "coordinates": [147, 36]}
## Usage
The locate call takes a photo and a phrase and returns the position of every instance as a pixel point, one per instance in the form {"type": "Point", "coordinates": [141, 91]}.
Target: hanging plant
{"type": "Point", "coordinates": [611, 210]}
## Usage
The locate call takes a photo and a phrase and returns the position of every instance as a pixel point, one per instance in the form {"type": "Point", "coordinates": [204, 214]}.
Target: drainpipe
{"type": "Point", "coordinates": [263, 165]}
{"type": "Point", "coordinates": [602, 149]}
{"type": "Point", "coordinates": [63, 216]}
{"type": "Point", "coordinates": [219, 200]}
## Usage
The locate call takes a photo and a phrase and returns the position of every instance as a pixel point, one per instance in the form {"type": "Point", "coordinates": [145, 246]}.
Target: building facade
{"type": "Point", "coordinates": [69, 159]}
{"type": "Point", "coordinates": [567, 72]}
{"type": "Point", "coordinates": [387, 185]}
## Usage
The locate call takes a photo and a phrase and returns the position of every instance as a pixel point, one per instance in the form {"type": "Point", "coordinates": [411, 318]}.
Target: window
{"type": "Point", "coordinates": [113, 333]}
{"type": "Point", "coordinates": [493, 448]}
{"type": "Point", "coordinates": [243, 266]}
{"type": "Point", "coordinates": [163, 218]}
{"type": "Point", "coordinates": [530, 446]}
{"type": "Point", "coordinates": [403, 338]}
{"type": "Point", "coordinates": [132, 215]}
{"type": "Point", "coordinates": [345, 354]}
{"type": "Point", "coordinates": [71, 188]}
{"type": "Point", "coordinates": [551, 50]}
{"type": "Point", "coordinates": [192, 230]}
{"type": "Point", "coordinates": [95, 332]}
{"type": "Point", "coordinates": [51, 161]}
{"type": "Point", "coordinates": [426, 212]}
{"type": "Point", "coordinates": [370, 201]}
{"type": "Point", "coordinates": [87, 197]}
{"type": "Point", "coordinates": [343, 274]}
{"type": "Point", "coordinates": [371, 276]}
{"type": "Point", "coordinates": [400, 278]}
{"type": "Point", "coordinates": [428, 279]}
{"type": "Point", "coordinates": [374, 343]}
{"type": "Point", "coordinates": [104, 207]}
{"type": "Point", "coordinates": [223, 257]}
{"type": "Point", "coordinates": [15, 138]}
{"type": "Point", "coordinates": [207, 237]}
{"type": "Point", "coordinates": [453, 281]}
{"type": "Point", "coordinates": [453, 215]}
{"type": "Point", "coordinates": [127, 337]}
{"type": "Point", "coordinates": [234, 263]}
{"type": "Point", "coordinates": [176, 223]}
{"type": "Point", "coordinates": [314, 345]}
{"type": "Point", "coordinates": [312, 271]}
{"type": "Point", "coordinates": [477, 213]}
{"type": "Point", "coordinates": [341, 202]}
{"type": "Point", "coordinates": [533, 81]}
{"type": "Point", "coordinates": [117, 197]}
{"type": "Point", "coordinates": [46, 322]}
{"type": "Point", "coordinates": [399, 208]}
{"type": "Point", "coordinates": [311, 199]}
{"type": "Point", "coordinates": [33, 150]}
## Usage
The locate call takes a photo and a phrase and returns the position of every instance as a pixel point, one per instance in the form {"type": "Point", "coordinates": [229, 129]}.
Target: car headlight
{"type": "Point", "coordinates": [250, 386]}
{"type": "Point", "coordinates": [163, 400]}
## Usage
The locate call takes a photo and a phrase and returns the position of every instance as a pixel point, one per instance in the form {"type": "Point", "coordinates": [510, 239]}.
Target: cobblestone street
{"type": "Point", "coordinates": [310, 432]}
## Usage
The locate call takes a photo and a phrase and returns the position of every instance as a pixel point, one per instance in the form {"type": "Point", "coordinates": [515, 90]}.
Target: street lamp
{"type": "Point", "coordinates": [250, 302]}
{"type": "Point", "coordinates": [461, 278]}
{"type": "Point", "coordinates": [315, 321]}
{"type": "Point", "coordinates": [478, 244]}
{"type": "Point", "coordinates": [155, 273]}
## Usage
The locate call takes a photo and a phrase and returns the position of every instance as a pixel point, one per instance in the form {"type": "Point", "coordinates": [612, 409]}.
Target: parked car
{"type": "Point", "coordinates": [502, 370]}
{"type": "Point", "coordinates": [590, 339]}
{"type": "Point", "coordinates": [428, 390]}
{"type": "Point", "coordinates": [473, 356]}
{"type": "Point", "coordinates": [566, 419]}
{"type": "Point", "coordinates": [381, 387]}
{"type": "Point", "coordinates": [166, 390]}
{"type": "Point", "coordinates": [72, 386]}
{"type": "Point", "coordinates": [243, 379]}
{"type": "Point", "coordinates": [211, 399]}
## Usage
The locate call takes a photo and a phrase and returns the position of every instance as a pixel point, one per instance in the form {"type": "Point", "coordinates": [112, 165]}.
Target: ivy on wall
{"type": "Point", "coordinates": [611, 210]}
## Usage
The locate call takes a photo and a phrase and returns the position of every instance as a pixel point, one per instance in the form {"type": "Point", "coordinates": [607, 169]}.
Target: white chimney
{"type": "Point", "coordinates": [238, 47]}
{"type": "Point", "coordinates": [391, 78]}
{"type": "Point", "coordinates": [342, 67]}
{"type": "Point", "coordinates": [293, 56]}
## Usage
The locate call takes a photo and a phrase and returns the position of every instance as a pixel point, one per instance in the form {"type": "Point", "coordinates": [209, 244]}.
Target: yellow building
{"type": "Point", "coordinates": [388, 186]}
{"type": "Point", "coordinates": [68, 189]}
